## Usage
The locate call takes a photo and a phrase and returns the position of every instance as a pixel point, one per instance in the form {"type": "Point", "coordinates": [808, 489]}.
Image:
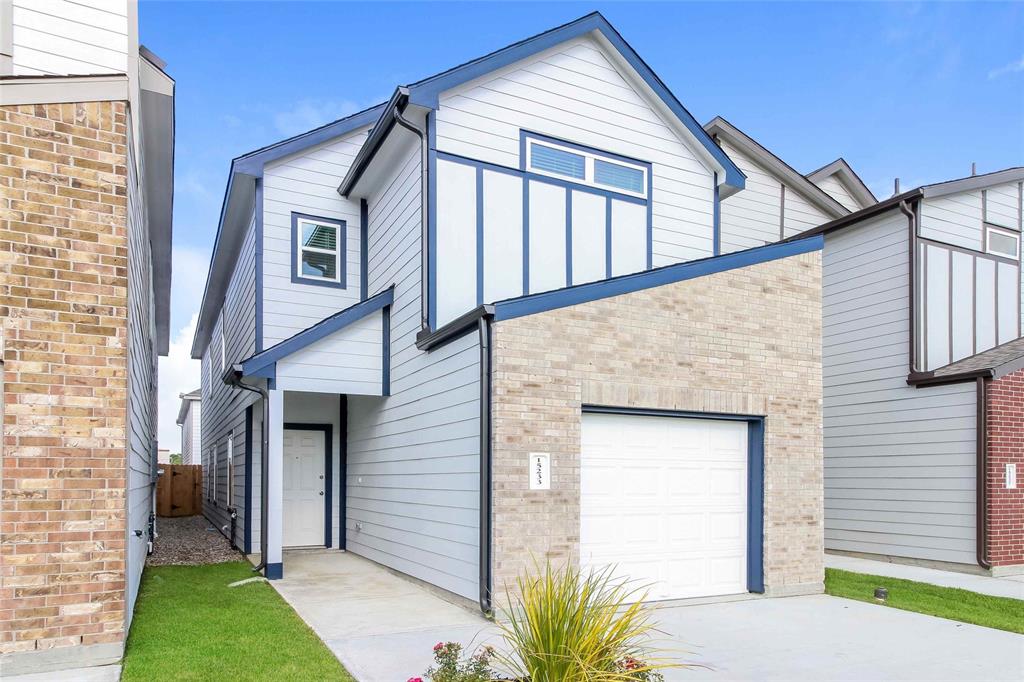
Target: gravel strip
{"type": "Point", "coordinates": [190, 541]}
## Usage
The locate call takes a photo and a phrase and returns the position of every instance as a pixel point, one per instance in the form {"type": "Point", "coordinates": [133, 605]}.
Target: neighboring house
{"type": "Point", "coordinates": [163, 456]}
{"type": "Point", "coordinates": [85, 268]}
{"type": "Point", "coordinates": [190, 420]}
{"type": "Point", "coordinates": [487, 322]}
{"type": "Point", "coordinates": [924, 371]}
{"type": "Point", "coordinates": [778, 202]}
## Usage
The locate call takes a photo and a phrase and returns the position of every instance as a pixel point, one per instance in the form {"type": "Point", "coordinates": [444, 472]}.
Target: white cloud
{"type": "Point", "coordinates": [179, 373]}
{"type": "Point", "coordinates": [1015, 66]}
{"type": "Point", "coordinates": [312, 113]}
{"type": "Point", "coordinates": [188, 279]}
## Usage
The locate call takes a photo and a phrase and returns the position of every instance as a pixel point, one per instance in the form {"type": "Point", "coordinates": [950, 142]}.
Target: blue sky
{"type": "Point", "coordinates": [917, 91]}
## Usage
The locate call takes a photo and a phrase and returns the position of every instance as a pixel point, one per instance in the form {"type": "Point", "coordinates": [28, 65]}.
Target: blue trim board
{"type": "Point", "coordinates": [364, 249]}
{"type": "Point", "coordinates": [755, 476]}
{"type": "Point", "coordinates": [247, 497]}
{"type": "Point", "coordinates": [479, 235]}
{"type": "Point", "coordinates": [342, 244]}
{"type": "Point", "coordinates": [385, 374]}
{"type": "Point", "coordinates": [608, 238]}
{"type": "Point", "coordinates": [426, 92]}
{"type": "Point", "coordinates": [258, 219]}
{"type": "Point", "coordinates": [716, 222]}
{"type": "Point", "coordinates": [327, 430]}
{"type": "Point", "coordinates": [273, 571]}
{"type": "Point", "coordinates": [431, 302]}
{"type": "Point", "coordinates": [526, 236]}
{"type": "Point", "coordinates": [253, 365]}
{"type": "Point", "coordinates": [668, 274]}
{"type": "Point", "coordinates": [650, 218]}
{"type": "Point", "coordinates": [568, 237]}
{"type": "Point", "coordinates": [342, 471]}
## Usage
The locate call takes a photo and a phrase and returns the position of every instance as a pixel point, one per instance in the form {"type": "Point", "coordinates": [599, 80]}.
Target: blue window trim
{"type": "Point", "coordinates": [755, 475]}
{"type": "Point", "coordinates": [263, 364]}
{"type": "Point", "coordinates": [342, 226]}
{"type": "Point", "coordinates": [327, 430]}
{"type": "Point", "coordinates": [668, 274]}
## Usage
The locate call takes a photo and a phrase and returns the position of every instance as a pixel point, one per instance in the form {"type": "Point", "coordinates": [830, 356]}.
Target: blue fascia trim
{"type": "Point", "coordinates": [273, 571]}
{"type": "Point", "coordinates": [247, 497]}
{"type": "Point", "coordinates": [716, 228]}
{"type": "Point", "coordinates": [385, 374]}
{"type": "Point", "coordinates": [755, 476]}
{"type": "Point", "coordinates": [426, 92]}
{"type": "Point", "coordinates": [537, 177]}
{"type": "Point", "coordinates": [479, 235]}
{"type": "Point", "coordinates": [668, 274]}
{"type": "Point", "coordinates": [258, 212]}
{"type": "Point", "coordinates": [431, 302]}
{"type": "Point", "coordinates": [364, 249]}
{"type": "Point", "coordinates": [342, 226]}
{"type": "Point", "coordinates": [260, 361]}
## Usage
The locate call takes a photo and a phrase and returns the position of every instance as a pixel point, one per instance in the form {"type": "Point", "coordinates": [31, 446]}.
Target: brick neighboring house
{"type": "Point", "coordinates": [85, 228]}
{"type": "Point", "coordinates": [1005, 427]}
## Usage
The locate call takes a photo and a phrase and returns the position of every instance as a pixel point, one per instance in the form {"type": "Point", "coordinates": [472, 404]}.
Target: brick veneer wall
{"type": "Point", "coordinates": [1005, 446]}
{"type": "Point", "coordinates": [746, 341]}
{"type": "Point", "coordinates": [63, 329]}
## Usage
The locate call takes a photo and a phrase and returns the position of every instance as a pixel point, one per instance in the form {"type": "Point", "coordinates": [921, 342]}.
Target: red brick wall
{"type": "Point", "coordinates": [1006, 445]}
{"type": "Point", "coordinates": [63, 328]}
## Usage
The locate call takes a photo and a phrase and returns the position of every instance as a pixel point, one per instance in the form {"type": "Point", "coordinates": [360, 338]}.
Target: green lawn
{"type": "Point", "coordinates": [945, 602]}
{"type": "Point", "coordinates": [189, 625]}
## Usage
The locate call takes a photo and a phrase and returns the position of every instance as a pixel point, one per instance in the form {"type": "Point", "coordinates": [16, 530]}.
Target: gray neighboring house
{"type": "Point", "coordinates": [922, 375]}
{"type": "Point", "coordinates": [190, 420]}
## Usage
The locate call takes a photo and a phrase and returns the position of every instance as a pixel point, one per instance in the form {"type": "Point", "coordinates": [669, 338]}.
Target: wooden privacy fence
{"type": "Point", "coordinates": [179, 490]}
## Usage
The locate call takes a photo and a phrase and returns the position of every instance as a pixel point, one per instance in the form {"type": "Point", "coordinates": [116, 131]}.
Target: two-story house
{"type": "Point", "coordinates": [924, 376]}
{"type": "Point", "coordinates": [86, 177]}
{"type": "Point", "coordinates": [190, 419]}
{"type": "Point", "coordinates": [491, 320]}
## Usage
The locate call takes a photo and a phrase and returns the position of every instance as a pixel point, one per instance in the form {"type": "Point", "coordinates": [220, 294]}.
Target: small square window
{"type": "Point", "coordinates": [1001, 242]}
{"type": "Point", "coordinates": [318, 245]}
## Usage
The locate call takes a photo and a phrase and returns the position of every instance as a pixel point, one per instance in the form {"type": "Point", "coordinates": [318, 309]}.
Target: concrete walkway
{"type": "Point", "coordinates": [102, 673]}
{"type": "Point", "coordinates": [997, 587]}
{"type": "Point", "coordinates": [382, 628]}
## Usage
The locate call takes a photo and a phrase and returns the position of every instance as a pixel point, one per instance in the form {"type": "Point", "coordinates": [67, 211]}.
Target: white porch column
{"type": "Point", "coordinates": [275, 487]}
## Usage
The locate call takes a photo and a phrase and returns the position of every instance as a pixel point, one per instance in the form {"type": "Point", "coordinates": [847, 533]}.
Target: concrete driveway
{"type": "Point", "coordinates": [382, 628]}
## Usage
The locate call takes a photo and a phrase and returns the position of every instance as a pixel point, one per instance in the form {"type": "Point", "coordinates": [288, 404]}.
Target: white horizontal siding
{"type": "Point", "coordinates": [899, 461]}
{"type": "Point", "coordinates": [61, 37]}
{"type": "Point", "coordinates": [953, 219]}
{"type": "Point", "coordinates": [574, 92]}
{"type": "Point", "coordinates": [306, 183]}
{"type": "Point", "coordinates": [751, 217]}
{"type": "Point", "coordinates": [1002, 205]}
{"type": "Point", "coordinates": [347, 361]}
{"type": "Point", "coordinates": [836, 189]}
{"type": "Point", "coordinates": [801, 214]}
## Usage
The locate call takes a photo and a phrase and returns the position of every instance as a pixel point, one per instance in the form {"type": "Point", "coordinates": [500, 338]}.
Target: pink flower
{"type": "Point", "coordinates": [437, 647]}
{"type": "Point", "coordinates": [415, 679]}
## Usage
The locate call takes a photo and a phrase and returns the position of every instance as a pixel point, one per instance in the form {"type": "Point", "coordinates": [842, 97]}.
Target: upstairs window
{"type": "Point", "coordinates": [601, 170]}
{"type": "Point", "coordinates": [318, 250]}
{"type": "Point", "coordinates": [1001, 242]}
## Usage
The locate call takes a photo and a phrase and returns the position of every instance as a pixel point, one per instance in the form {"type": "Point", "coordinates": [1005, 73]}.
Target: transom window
{"type": "Point", "coordinates": [1001, 242]}
{"type": "Point", "coordinates": [585, 166]}
{"type": "Point", "coordinates": [318, 250]}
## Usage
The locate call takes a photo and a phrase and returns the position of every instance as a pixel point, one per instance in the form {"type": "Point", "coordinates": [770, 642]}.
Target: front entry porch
{"type": "Point", "coordinates": [353, 604]}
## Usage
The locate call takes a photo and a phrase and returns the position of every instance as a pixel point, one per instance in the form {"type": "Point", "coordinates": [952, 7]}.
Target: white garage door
{"type": "Point", "coordinates": [664, 499]}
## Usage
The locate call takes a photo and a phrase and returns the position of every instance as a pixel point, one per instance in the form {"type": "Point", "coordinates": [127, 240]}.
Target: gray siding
{"type": "Point", "coordinates": [899, 461]}
{"type": "Point", "coordinates": [142, 386]}
{"type": "Point", "coordinates": [191, 434]}
{"type": "Point", "coordinates": [413, 457]}
{"type": "Point", "coordinates": [224, 407]}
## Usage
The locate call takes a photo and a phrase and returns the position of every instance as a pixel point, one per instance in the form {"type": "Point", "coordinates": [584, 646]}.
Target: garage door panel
{"type": "Point", "coordinates": [664, 501]}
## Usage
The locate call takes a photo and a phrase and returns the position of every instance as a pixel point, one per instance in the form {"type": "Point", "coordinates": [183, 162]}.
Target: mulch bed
{"type": "Point", "coordinates": [190, 541]}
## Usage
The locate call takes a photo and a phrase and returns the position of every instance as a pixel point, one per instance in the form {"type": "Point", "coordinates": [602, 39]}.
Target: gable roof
{"type": "Point", "coordinates": [845, 173]}
{"type": "Point", "coordinates": [937, 189]}
{"type": "Point", "coordinates": [424, 93]}
{"type": "Point", "coordinates": [721, 128]}
{"type": "Point", "coordinates": [993, 363]}
{"type": "Point", "coordinates": [236, 208]}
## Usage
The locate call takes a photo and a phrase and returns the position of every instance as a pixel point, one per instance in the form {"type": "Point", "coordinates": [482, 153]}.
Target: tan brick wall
{"type": "Point", "coordinates": [746, 341]}
{"type": "Point", "coordinates": [63, 327]}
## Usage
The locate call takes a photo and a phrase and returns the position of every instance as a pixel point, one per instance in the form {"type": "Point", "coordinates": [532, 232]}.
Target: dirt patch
{"type": "Point", "coordinates": [190, 541]}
